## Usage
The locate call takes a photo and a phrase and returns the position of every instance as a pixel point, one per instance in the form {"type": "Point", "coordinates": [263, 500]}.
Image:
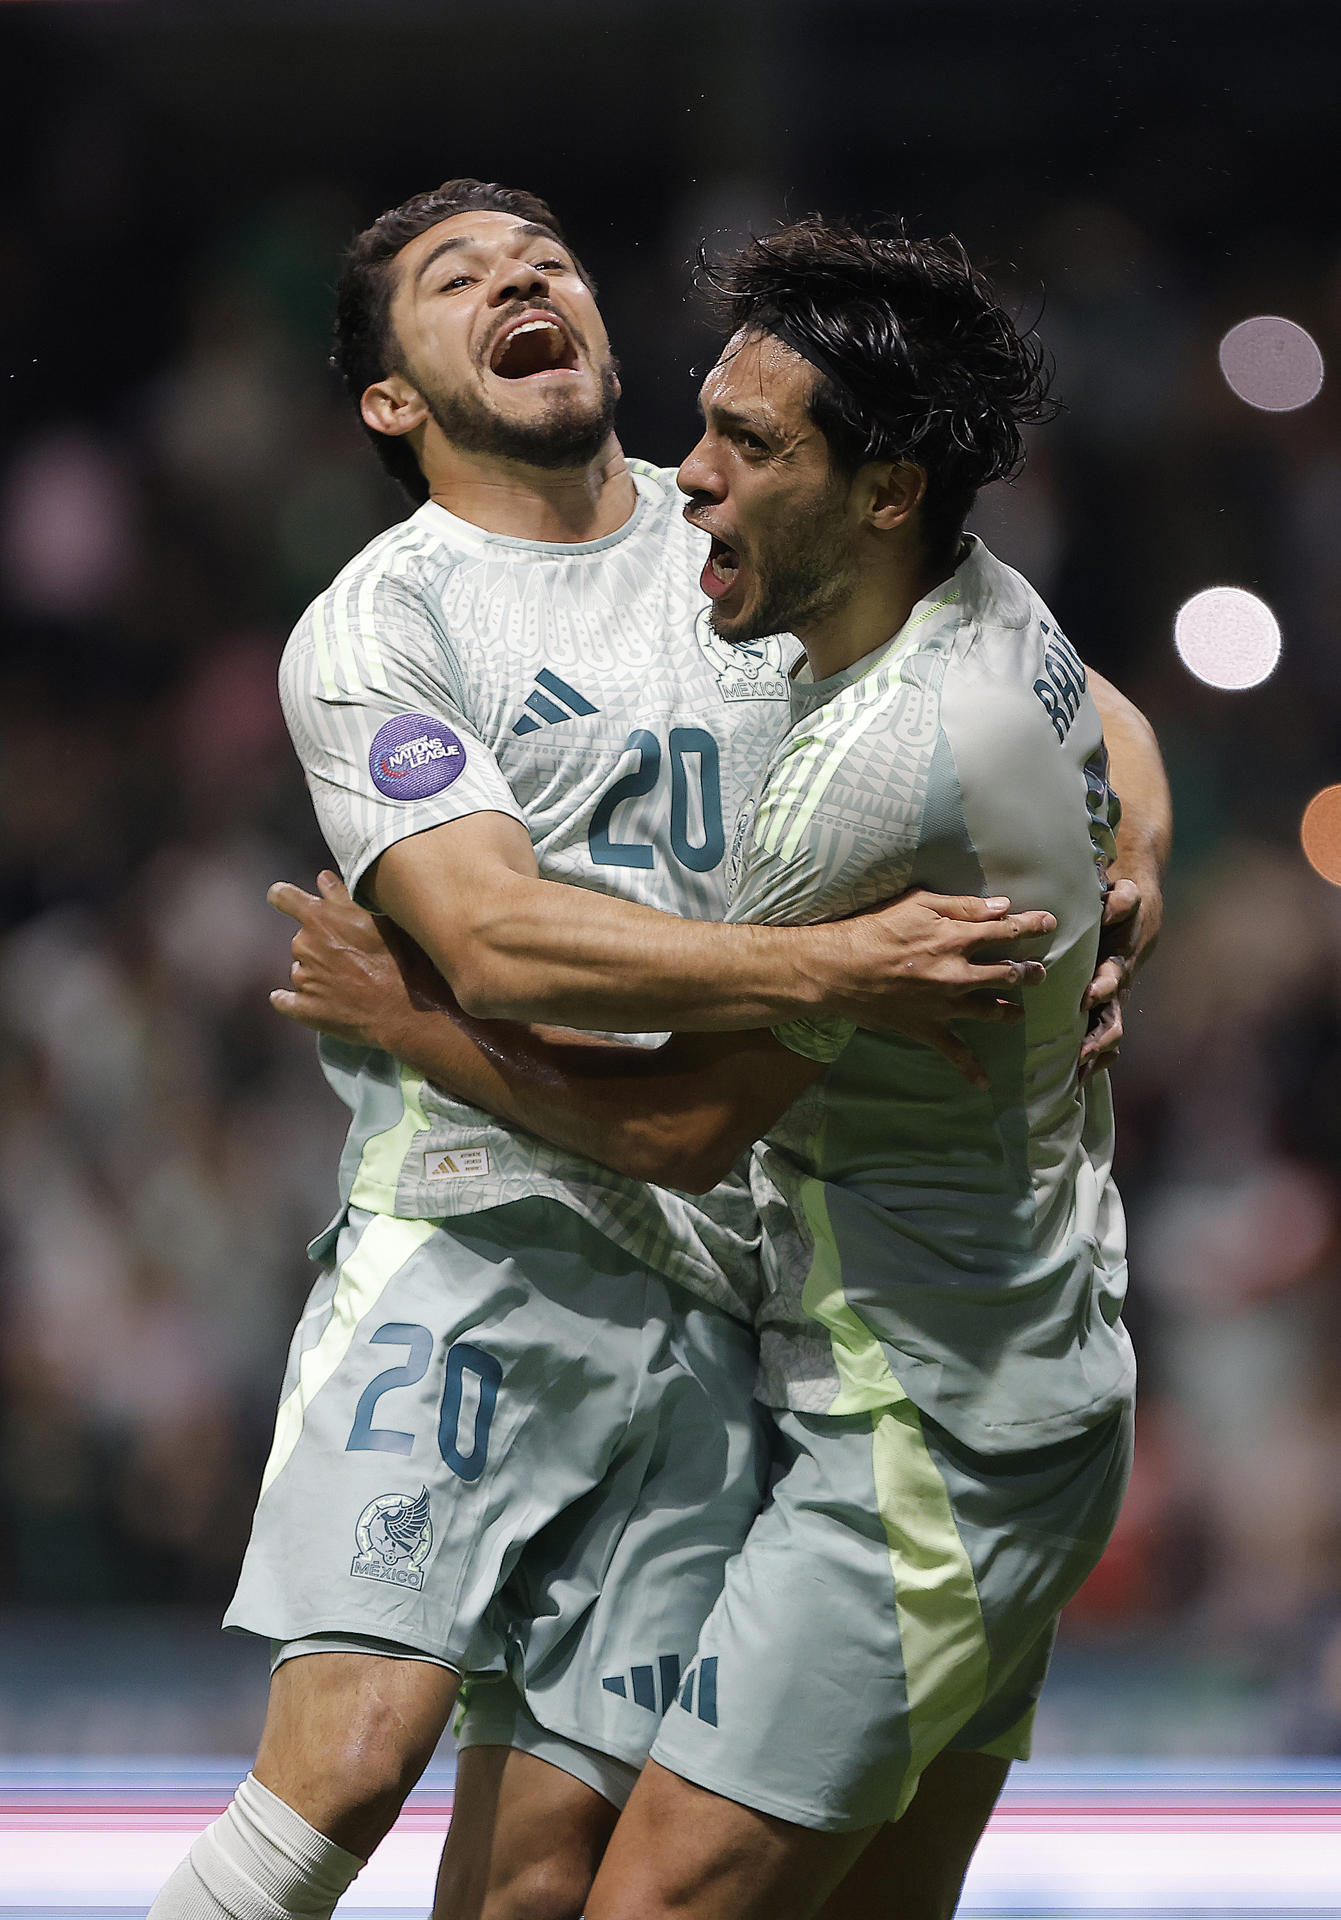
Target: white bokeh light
{"type": "Point", "coordinates": [1272, 363]}
{"type": "Point", "coordinates": [1227, 637]}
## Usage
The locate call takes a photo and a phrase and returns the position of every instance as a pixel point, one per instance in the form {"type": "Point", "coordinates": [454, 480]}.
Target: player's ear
{"type": "Point", "coordinates": [393, 406]}
{"type": "Point", "coordinates": [895, 490]}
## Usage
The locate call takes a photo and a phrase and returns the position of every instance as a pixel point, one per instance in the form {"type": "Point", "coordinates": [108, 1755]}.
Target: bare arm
{"type": "Point", "coordinates": [1145, 833]}
{"type": "Point", "coordinates": [514, 946]}
{"type": "Point", "coordinates": [680, 1115]}
{"type": "Point", "coordinates": [1134, 912]}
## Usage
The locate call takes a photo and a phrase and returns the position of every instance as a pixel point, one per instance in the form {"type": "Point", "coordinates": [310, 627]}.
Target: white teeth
{"type": "Point", "coordinates": [725, 570]}
{"type": "Point", "coordinates": [533, 326]}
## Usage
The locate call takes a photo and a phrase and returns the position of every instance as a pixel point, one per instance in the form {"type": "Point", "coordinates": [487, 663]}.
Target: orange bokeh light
{"type": "Point", "coordinates": [1320, 834]}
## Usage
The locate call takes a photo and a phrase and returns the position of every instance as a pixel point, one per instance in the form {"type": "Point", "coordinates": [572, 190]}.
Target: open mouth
{"type": "Point", "coordinates": [538, 345]}
{"type": "Point", "coordinates": [720, 571]}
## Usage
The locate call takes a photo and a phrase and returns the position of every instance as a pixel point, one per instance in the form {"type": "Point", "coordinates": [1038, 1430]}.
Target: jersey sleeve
{"type": "Point", "coordinates": [373, 709]}
{"type": "Point", "coordinates": [837, 828]}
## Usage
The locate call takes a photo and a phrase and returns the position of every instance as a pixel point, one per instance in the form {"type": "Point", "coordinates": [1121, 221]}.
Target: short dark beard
{"type": "Point", "coordinates": [563, 437]}
{"type": "Point", "coordinates": [803, 574]}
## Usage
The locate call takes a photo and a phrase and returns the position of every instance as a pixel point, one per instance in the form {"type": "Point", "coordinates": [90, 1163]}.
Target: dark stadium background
{"type": "Point", "coordinates": [178, 477]}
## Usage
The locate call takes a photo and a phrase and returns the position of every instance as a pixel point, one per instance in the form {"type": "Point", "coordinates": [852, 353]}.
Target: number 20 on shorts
{"type": "Point", "coordinates": [470, 1375]}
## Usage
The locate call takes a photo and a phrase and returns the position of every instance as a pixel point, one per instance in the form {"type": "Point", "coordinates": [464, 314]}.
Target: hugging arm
{"type": "Point", "coordinates": [680, 1115]}
{"type": "Point", "coordinates": [1145, 832]}
{"type": "Point", "coordinates": [1135, 909]}
{"type": "Point", "coordinates": [513, 946]}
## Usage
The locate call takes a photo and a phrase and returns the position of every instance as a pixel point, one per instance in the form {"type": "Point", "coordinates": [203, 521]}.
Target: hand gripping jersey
{"type": "Point", "coordinates": [578, 689]}
{"type": "Point", "coordinates": [923, 1239]}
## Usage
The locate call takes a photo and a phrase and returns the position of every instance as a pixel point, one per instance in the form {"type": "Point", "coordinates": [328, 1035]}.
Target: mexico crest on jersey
{"type": "Point", "coordinates": [393, 1535]}
{"type": "Point", "coordinates": [754, 670]}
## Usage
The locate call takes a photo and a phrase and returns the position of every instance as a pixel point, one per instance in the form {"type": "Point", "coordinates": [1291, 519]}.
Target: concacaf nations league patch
{"type": "Point", "coordinates": [414, 756]}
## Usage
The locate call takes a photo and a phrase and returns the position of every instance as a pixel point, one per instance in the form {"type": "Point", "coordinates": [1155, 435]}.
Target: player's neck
{"type": "Point", "coordinates": [874, 612]}
{"type": "Point", "coordinates": [569, 505]}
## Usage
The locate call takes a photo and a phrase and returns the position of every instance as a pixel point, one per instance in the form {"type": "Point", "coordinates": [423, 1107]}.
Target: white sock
{"type": "Point", "coordinates": [259, 1861]}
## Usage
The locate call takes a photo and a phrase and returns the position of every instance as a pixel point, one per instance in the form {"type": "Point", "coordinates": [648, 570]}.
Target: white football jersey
{"type": "Point", "coordinates": [579, 689]}
{"type": "Point", "coordinates": [923, 1237]}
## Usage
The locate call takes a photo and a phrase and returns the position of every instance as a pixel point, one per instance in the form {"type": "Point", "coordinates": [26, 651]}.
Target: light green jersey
{"type": "Point", "coordinates": [579, 689]}
{"type": "Point", "coordinates": [922, 1238]}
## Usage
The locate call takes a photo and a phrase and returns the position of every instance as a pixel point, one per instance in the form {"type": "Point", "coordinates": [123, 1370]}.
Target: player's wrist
{"type": "Point", "coordinates": [822, 977]}
{"type": "Point", "coordinates": [405, 1033]}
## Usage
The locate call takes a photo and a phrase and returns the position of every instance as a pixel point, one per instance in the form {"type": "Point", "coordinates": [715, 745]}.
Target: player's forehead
{"type": "Point", "coordinates": [484, 229]}
{"type": "Point", "coordinates": [756, 375]}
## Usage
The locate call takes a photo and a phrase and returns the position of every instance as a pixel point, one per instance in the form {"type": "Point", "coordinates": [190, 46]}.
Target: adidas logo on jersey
{"type": "Point", "coordinates": [456, 1163]}
{"type": "Point", "coordinates": [545, 703]}
{"type": "Point", "coordinates": [650, 1687]}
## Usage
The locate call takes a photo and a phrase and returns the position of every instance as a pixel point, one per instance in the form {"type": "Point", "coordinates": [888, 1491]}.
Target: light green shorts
{"type": "Point", "coordinates": [496, 1715]}
{"type": "Point", "coordinates": [897, 1596]}
{"type": "Point", "coordinates": [485, 1422]}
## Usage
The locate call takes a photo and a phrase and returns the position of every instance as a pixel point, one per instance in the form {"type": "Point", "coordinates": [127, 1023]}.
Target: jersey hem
{"type": "Point", "coordinates": [630, 1754]}
{"type": "Point", "coordinates": [978, 1436]}
{"type": "Point", "coordinates": [437, 1655]}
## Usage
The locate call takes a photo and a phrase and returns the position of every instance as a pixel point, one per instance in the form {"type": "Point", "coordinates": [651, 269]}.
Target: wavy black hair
{"type": "Point", "coordinates": [366, 348]}
{"type": "Point", "coordinates": [915, 357]}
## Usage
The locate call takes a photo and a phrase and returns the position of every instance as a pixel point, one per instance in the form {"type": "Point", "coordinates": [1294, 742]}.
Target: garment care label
{"type": "Point", "coordinates": [456, 1163]}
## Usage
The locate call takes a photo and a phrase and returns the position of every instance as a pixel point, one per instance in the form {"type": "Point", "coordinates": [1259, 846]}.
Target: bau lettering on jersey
{"type": "Point", "coordinates": [415, 756]}
{"type": "Point", "coordinates": [1063, 684]}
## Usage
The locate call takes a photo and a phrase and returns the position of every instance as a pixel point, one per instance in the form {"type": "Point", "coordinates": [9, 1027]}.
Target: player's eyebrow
{"type": "Point", "coordinates": [733, 419]}
{"type": "Point", "coordinates": [527, 229]}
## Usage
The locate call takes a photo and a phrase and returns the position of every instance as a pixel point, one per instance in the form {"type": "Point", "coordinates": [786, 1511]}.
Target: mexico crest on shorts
{"type": "Point", "coordinates": [754, 670]}
{"type": "Point", "coordinates": [393, 1535]}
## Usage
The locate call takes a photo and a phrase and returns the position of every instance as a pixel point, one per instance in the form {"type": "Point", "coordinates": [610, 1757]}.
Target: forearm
{"type": "Point", "coordinates": [651, 1114]}
{"type": "Point", "coordinates": [1136, 769]}
{"type": "Point", "coordinates": [534, 950]}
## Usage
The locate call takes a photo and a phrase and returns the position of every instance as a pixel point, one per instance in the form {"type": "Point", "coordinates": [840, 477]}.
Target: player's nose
{"type": "Point", "coordinates": [517, 280]}
{"type": "Point", "coordinates": [700, 475]}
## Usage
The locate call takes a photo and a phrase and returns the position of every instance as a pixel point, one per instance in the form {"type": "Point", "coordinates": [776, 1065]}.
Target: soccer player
{"type": "Point", "coordinates": [518, 1368]}
{"type": "Point", "coordinates": [949, 1381]}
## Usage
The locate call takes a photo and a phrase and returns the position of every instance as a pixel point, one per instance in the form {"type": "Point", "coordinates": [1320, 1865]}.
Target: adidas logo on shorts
{"type": "Point", "coordinates": [650, 1687]}
{"type": "Point", "coordinates": [703, 1678]}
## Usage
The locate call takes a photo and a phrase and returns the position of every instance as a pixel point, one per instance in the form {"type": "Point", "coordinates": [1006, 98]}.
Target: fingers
{"type": "Point", "coordinates": [961, 906]}
{"type": "Point", "coordinates": [291, 1006]}
{"type": "Point", "coordinates": [981, 921]}
{"type": "Point", "coordinates": [1011, 926]}
{"type": "Point", "coordinates": [1101, 1044]}
{"type": "Point", "coordinates": [1124, 899]}
{"type": "Point", "coordinates": [290, 899]}
{"type": "Point", "coordinates": [296, 901]}
{"type": "Point", "coordinates": [980, 974]}
{"type": "Point", "coordinates": [1109, 980]}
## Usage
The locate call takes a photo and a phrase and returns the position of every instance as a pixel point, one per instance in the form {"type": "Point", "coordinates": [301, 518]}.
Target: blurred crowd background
{"type": "Point", "coordinates": [179, 475]}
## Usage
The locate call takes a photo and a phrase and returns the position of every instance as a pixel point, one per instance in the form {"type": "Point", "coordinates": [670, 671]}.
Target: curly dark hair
{"type": "Point", "coordinates": [366, 348]}
{"type": "Point", "coordinates": [916, 357]}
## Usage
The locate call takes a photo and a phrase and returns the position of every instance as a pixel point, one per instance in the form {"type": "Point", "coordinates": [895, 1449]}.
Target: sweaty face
{"type": "Point", "coordinates": [503, 339]}
{"type": "Point", "coordinates": [761, 483]}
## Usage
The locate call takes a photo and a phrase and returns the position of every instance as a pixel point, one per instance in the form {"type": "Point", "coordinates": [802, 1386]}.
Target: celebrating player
{"type": "Point", "coordinates": [949, 1379]}
{"type": "Point", "coordinates": [521, 1371]}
